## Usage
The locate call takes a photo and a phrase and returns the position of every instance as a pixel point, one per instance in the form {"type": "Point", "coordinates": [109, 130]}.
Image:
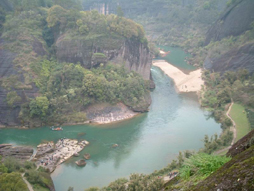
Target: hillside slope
{"type": "Point", "coordinates": [40, 86]}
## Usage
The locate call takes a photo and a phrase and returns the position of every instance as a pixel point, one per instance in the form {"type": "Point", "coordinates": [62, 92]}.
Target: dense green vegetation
{"type": "Point", "coordinates": [198, 167]}
{"type": "Point", "coordinates": [172, 22]}
{"type": "Point", "coordinates": [66, 89]}
{"type": "Point", "coordinates": [91, 24]}
{"type": "Point", "coordinates": [10, 175]}
{"type": "Point", "coordinates": [69, 88]}
{"type": "Point", "coordinates": [218, 93]}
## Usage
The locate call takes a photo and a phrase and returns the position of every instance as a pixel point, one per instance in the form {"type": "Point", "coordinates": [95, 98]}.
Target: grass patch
{"type": "Point", "coordinates": [239, 115]}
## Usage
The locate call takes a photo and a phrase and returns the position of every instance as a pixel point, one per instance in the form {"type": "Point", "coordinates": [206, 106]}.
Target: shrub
{"type": "Point", "coordinates": [201, 165]}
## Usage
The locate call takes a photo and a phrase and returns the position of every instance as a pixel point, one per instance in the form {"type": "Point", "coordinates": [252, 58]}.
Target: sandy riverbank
{"type": "Point", "coordinates": [191, 82]}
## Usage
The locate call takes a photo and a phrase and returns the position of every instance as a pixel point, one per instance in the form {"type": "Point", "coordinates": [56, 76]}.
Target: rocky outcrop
{"type": "Point", "coordinates": [235, 20]}
{"type": "Point", "coordinates": [18, 152]}
{"type": "Point", "coordinates": [134, 55]}
{"type": "Point", "coordinates": [233, 60]}
{"type": "Point", "coordinates": [241, 145]}
{"type": "Point", "coordinates": [50, 155]}
{"type": "Point", "coordinates": [238, 173]}
{"type": "Point", "coordinates": [106, 113]}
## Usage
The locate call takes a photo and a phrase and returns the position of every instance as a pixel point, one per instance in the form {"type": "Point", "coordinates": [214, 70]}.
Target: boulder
{"type": "Point", "coordinates": [87, 156]}
{"type": "Point", "coordinates": [81, 162]}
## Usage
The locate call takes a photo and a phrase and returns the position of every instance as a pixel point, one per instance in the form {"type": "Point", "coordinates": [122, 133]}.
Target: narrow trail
{"type": "Point", "coordinates": [29, 186]}
{"type": "Point", "coordinates": [232, 128]}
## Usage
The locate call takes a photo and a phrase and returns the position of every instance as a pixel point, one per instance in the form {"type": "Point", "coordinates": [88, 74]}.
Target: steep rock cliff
{"type": "Point", "coordinates": [235, 20]}
{"type": "Point", "coordinates": [134, 55]}
{"type": "Point", "coordinates": [12, 79]}
{"type": "Point", "coordinates": [233, 60]}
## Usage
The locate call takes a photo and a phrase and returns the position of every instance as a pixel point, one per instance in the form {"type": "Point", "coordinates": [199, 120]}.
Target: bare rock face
{"type": "Point", "coordinates": [233, 22]}
{"type": "Point", "coordinates": [134, 55]}
{"type": "Point", "coordinates": [8, 69]}
{"type": "Point", "coordinates": [18, 152]}
{"type": "Point", "coordinates": [237, 58]}
{"type": "Point", "coordinates": [106, 113]}
{"type": "Point", "coordinates": [242, 145]}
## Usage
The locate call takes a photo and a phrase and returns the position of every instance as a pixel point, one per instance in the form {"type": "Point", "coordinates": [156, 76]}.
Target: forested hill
{"type": "Point", "coordinates": [56, 60]}
{"type": "Point", "coordinates": [174, 22]}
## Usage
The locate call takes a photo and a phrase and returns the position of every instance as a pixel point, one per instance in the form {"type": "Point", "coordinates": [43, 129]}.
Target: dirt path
{"type": "Point", "coordinates": [232, 128]}
{"type": "Point", "coordinates": [29, 186]}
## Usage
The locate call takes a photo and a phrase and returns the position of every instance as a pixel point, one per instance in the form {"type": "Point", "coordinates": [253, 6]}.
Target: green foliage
{"type": "Point", "coordinates": [119, 12]}
{"type": "Point", "coordinates": [215, 143]}
{"type": "Point", "coordinates": [55, 14]}
{"type": "Point", "coordinates": [201, 165]}
{"type": "Point", "coordinates": [137, 182]}
{"type": "Point", "coordinates": [92, 189]}
{"type": "Point", "coordinates": [12, 164]}
{"type": "Point", "coordinates": [176, 23]}
{"type": "Point", "coordinates": [232, 85]}
{"type": "Point", "coordinates": [29, 165]}
{"type": "Point", "coordinates": [12, 182]}
{"type": "Point", "coordinates": [34, 177]}
{"type": "Point", "coordinates": [3, 168]}
{"type": "Point", "coordinates": [48, 35]}
{"type": "Point", "coordinates": [119, 184]}
{"type": "Point", "coordinates": [67, 88]}
{"type": "Point", "coordinates": [39, 107]}
{"type": "Point", "coordinates": [12, 98]}
{"type": "Point", "coordinates": [88, 23]}
{"type": "Point", "coordinates": [43, 70]}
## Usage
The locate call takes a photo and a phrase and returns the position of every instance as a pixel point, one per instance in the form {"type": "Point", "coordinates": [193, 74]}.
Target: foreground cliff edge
{"type": "Point", "coordinates": [60, 64]}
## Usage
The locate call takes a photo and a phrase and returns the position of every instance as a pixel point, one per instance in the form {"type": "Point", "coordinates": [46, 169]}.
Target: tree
{"type": "Point", "coordinates": [119, 12]}
{"type": "Point", "coordinates": [92, 189]}
{"type": "Point", "coordinates": [180, 159]}
{"type": "Point", "coordinates": [39, 107]}
{"type": "Point", "coordinates": [12, 182]}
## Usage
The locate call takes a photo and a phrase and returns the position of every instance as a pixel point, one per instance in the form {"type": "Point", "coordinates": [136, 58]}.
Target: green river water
{"type": "Point", "coordinates": [148, 142]}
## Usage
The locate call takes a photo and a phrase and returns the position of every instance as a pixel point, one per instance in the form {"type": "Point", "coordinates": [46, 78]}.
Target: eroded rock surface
{"type": "Point", "coordinates": [106, 113]}
{"type": "Point", "coordinates": [50, 155]}
{"type": "Point", "coordinates": [18, 152]}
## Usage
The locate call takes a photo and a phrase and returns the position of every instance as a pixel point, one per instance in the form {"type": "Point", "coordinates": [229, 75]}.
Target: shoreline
{"type": "Point", "coordinates": [191, 82]}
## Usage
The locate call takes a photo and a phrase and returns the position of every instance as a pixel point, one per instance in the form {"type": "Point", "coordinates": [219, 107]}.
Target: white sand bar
{"type": "Point", "coordinates": [191, 82]}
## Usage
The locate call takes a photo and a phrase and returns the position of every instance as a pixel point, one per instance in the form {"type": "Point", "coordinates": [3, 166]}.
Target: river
{"type": "Point", "coordinates": [147, 142]}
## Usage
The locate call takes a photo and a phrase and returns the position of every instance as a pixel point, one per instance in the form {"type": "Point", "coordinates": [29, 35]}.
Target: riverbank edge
{"type": "Point", "coordinates": [184, 83]}
{"type": "Point", "coordinates": [126, 114]}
